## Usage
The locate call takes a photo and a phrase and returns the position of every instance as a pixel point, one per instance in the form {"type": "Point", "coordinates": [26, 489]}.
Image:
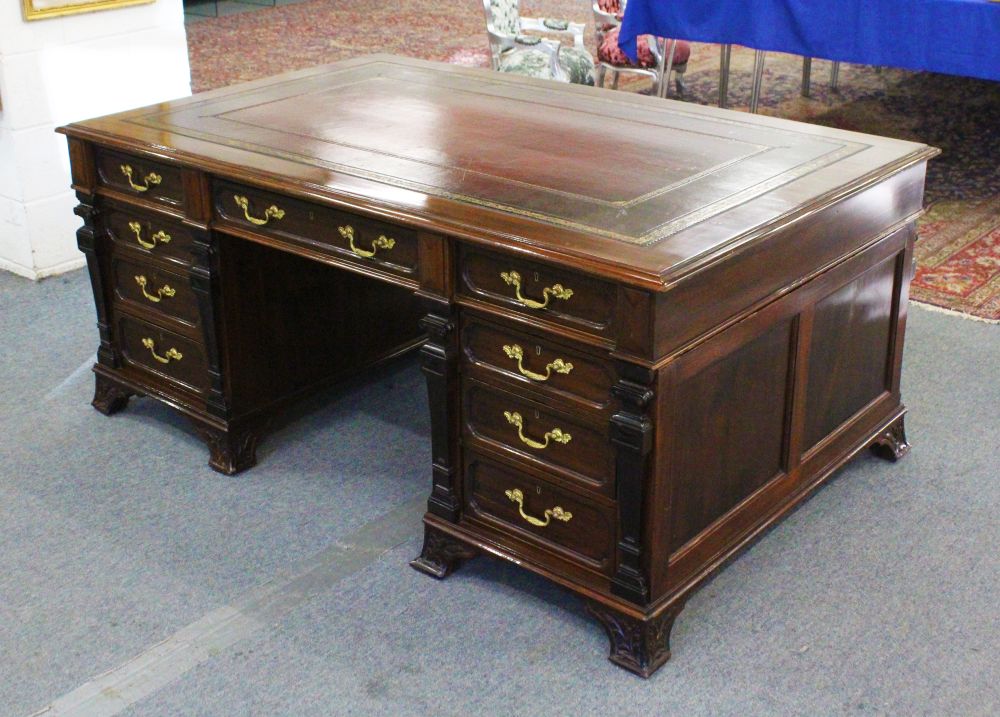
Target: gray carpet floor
{"type": "Point", "coordinates": [286, 590]}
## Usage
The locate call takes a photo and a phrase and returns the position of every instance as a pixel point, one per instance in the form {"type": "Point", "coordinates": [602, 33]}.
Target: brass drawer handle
{"type": "Point", "coordinates": [556, 434]}
{"type": "Point", "coordinates": [150, 180]}
{"type": "Point", "coordinates": [160, 236]}
{"type": "Point", "coordinates": [172, 353]}
{"type": "Point", "coordinates": [512, 278]}
{"type": "Point", "coordinates": [383, 242]}
{"type": "Point", "coordinates": [559, 366]}
{"type": "Point", "coordinates": [272, 211]}
{"type": "Point", "coordinates": [557, 512]}
{"type": "Point", "coordinates": [163, 291]}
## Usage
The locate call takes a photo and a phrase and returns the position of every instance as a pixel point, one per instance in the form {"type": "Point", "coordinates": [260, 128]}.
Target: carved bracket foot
{"type": "Point", "coordinates": [639, 645]}
{"type": "Point", "coordinates": [441, 553]}
{"type": "Point", "coordinates": [891, 443]}
{"type": "Point", "coordinates": [109, 397]}
{"type": "Point", "coordinates": [233, 450]}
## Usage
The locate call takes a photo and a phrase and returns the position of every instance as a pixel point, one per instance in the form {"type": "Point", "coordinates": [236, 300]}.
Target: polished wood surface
{"type": "Point", "coordinates": [648, 329]}
{"type": "Point", "coordinates": [405, 138]}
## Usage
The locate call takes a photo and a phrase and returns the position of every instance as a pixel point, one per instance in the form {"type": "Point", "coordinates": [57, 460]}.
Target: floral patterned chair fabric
{"type": "Point", "coordinates": [504, 23]}
{"type": "Point", "coordinates": [609, 52]}
{"type": "Point", "coordinates": [657, 58]}
{"type": "Point", "coordinates": [549, 60]}
{"type": "Point", "coordinates": [505, 16]}
{"type": "Point", "coordinates": [612, 7]}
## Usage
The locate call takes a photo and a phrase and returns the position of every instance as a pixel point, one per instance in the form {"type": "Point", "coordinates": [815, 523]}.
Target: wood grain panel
{"type": "Point", "coordinates": [729, 436]}
{"type": "Point", "coordinates": [291, 323]}
{"type": "Point", "coordinates": [850, 351]}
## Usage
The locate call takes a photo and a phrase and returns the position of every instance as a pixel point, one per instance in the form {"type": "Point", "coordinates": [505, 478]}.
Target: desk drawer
{"type": "Point", "coordinates": [553, 440]}
{"type": "Point", "coordinates": [140, 177]}
{"type": "Point", "coordinates": [164, 292]}
{"type": "Point", "coordinates": [150, 234]}
{"type": "Point", "coordinates": [540, 512]}
{"type": "Point", "coordinates": [350, 236]}
{"type": "Point", "coordinates": [541, 290]}
{"type": "Point", "coordinates": [162, 352]}
{"type": "Point", "coordinates": [549, 368]}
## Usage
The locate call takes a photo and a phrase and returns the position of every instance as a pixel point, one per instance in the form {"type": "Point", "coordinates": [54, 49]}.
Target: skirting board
{"type": "Point", "coordinates": [36, 274]}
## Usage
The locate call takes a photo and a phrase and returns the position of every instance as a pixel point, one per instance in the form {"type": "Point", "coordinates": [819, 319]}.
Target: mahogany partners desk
{"type": "Point", "coordinates": [648, 328]}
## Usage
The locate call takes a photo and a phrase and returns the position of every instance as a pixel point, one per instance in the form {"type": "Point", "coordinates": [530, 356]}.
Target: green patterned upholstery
{"type": "Point", "coordinates": [505, 16]}
{"type": "Point", "coordinates": [572, 65]}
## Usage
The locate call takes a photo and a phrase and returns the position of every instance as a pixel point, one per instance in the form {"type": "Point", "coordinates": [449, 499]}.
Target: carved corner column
{"type": "Point", "coordinates": [109, 396]}
{"type": "Point", "coordinates": [232, 445]}
{"type": "Point", "coordinates": [87, 240]}
{"type": "Point", "coordinates": [632, 438]}
{"type": "Point", "coordinates": [441, 552]}
{"type": "Point", "coordinates": [205, 285]}
{"type": "Point", "coordinates": [439, 362]}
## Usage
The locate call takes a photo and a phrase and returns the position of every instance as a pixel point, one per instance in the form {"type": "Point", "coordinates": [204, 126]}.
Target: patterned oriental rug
{"type": "Point", "coordinates": [958, 253]}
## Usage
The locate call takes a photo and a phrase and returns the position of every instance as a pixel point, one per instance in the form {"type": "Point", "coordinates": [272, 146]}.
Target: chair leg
{"type": "Point", "coordinates": [665, 77]}
{"type": "Point", "coordinates": [807, 63]}
{"type": "Point", "coordinates": [758, 79]}
{"type": "Point", "coordinates": [835, 76]}
{"type": "Point", "coordinates": [601, 71]}
{"type": "Point", "coordinates": [724, 57]}
{"type": "Point", "coordinates": [614, 80]}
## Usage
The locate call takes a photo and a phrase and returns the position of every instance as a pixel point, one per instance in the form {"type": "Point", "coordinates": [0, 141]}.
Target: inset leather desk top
{"type": "Point", "coordinates": [654, 187]}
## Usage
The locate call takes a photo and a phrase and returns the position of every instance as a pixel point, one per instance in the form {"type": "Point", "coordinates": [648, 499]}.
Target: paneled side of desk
{"type": "Point", "coordinates": [716, 427]}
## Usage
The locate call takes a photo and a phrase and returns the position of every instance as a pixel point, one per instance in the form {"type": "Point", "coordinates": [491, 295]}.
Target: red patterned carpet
{"type": "Point", "coordinates": [958, 252]}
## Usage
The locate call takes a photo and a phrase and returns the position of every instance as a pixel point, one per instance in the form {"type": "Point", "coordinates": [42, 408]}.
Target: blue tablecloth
{"type": "Point", "coordinates": [957, 37]}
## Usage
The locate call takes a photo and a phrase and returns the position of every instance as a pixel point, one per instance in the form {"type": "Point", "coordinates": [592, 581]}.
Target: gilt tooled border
{"type": "Point", "coordinates": [650, 237]}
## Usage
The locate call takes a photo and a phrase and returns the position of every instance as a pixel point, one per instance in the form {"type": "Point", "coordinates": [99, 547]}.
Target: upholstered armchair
{"type": "Point", "coordinates": [513, 50]}
{"type": "Point", "coordinates": [657, 57]}
{"type": "Point", "coordinates": [504, 23]}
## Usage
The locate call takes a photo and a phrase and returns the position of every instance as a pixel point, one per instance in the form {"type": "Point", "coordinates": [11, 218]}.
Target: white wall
{"type": "Point", "coordinates": [61, 70]}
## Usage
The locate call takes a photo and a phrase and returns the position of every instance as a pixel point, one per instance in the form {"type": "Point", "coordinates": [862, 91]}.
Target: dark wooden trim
{"type": "Point", "coordinates": [89, 239]}
{"type": "Point", "coordinates": [799, 373]}
{"type": "Point", "coordinates": [905, 268]}
{"type": "Point", "coordinates": [82, 166]}
{"type": "Point", "coordinates": [632, 438]}
{"type": "Point", "coordinates": [205, 283]}
{"type": "Point", "coordinates": [434, 262]}
{"type": "Point", "coordinates": [439, 362]}
{"type": "Point", "coordinates": [634, 323]}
